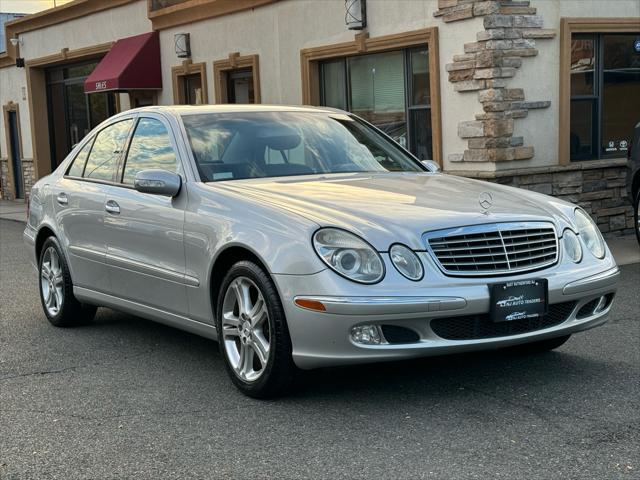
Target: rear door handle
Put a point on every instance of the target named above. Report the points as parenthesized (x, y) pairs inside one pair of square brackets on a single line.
[(112, 207), (62, 199)]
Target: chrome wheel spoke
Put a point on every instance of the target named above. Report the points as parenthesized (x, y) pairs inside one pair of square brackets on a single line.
[(258, 313), (261, 348), (52, 281), (244, 323)]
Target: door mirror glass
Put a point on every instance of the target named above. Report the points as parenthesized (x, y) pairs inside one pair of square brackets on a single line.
[(432, 166), (158, 182)]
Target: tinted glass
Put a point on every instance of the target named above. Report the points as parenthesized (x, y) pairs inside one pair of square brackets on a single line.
[(583, 64), (420, 77), (240, 85), (78, 163), (106, 151), (150, 148), (270, 144), (334, 85), (377, 92), (421, 133), (581, 136), (620, 93), (192, 89)]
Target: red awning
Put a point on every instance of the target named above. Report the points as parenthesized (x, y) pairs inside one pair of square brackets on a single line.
[(133, 63)]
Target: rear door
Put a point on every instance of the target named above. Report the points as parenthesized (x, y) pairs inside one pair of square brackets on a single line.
[(79, 201), (144, 232)]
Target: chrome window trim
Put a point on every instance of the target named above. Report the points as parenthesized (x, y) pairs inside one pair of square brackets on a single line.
[(497, 227)]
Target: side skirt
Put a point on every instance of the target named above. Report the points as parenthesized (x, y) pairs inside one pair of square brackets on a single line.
[(178, 321)]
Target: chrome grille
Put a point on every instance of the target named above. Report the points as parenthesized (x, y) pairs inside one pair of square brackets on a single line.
[(494, 249)]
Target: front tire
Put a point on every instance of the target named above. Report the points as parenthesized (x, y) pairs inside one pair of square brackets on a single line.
[(636, 217), (540, 346), (61, 308), (252, 331)]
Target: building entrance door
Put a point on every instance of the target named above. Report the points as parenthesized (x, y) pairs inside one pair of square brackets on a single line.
[(73, 113), (16, 163)]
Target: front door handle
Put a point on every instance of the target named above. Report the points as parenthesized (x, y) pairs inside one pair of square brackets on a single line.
[(112, 207), (62, 199)]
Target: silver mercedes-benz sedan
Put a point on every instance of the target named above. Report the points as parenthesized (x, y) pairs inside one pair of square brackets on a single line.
[(304, 237)]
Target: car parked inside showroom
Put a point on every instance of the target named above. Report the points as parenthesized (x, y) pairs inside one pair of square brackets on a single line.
[(303, 237)]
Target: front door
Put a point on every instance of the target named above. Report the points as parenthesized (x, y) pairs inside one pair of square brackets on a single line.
[(80, 200), (16, 163), (144, 232)]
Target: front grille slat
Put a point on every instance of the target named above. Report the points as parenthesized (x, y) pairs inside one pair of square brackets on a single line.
[(497, 249)]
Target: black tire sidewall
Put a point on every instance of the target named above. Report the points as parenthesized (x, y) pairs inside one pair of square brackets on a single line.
[(636, 216), (72, 312), (279, 370)]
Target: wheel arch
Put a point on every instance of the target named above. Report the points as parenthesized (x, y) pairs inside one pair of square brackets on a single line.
[(223, 262), (43, 233)]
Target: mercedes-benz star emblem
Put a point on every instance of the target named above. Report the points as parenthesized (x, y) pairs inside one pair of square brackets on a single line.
[(486, 201)]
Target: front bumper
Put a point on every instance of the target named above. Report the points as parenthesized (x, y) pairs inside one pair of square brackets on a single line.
[(323, 338)]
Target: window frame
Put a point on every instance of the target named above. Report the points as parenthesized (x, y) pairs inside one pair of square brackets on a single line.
[(188, 68), (222, 69), (569, 26), (407, 66), (310, 59), (596, 99)]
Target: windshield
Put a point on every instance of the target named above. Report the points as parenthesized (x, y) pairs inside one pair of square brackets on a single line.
[(232, 146)]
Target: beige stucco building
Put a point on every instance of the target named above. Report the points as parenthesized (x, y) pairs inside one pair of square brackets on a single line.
[(541, 94)]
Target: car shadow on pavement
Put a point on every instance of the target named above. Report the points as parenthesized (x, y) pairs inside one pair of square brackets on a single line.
[(429, 378)]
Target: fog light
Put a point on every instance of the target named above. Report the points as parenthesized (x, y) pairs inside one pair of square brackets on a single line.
[(366, 334)]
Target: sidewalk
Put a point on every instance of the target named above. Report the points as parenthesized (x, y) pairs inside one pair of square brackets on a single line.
[(13, 210), (625, 249)]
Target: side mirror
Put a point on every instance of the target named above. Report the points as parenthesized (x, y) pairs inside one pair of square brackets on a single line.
[(432, 166), (158, 182)]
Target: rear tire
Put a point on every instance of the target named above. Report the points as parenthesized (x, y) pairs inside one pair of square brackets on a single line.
[(540, 346), (61, 308), (253, 336)]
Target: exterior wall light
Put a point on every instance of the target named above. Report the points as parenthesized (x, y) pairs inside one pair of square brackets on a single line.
[(182, 45), (356, 14)]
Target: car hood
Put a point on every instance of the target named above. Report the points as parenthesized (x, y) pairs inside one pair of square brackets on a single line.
[(399, 207)]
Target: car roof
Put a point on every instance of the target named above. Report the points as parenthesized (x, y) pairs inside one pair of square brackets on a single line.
[(232, 108)]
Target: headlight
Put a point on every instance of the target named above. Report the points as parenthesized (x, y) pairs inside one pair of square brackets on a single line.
[(348, 255), (589, 233), (571, 246), (406, 262)]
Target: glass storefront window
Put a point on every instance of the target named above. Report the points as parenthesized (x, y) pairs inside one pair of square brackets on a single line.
[(605, 94), (391, 90), (73, 113), (192, 85), (620, 92)]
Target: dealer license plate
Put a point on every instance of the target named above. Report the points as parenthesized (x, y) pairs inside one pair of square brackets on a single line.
[(518, 300)]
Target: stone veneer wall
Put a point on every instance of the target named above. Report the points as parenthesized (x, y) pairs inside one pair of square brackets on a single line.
[(597, 186), (28, 175), (509, 37)]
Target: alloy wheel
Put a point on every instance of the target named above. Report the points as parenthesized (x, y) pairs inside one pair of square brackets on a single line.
[(52, 281), (245, 329)]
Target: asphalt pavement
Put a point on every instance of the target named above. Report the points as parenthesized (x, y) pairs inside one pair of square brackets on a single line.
[(127, 398)]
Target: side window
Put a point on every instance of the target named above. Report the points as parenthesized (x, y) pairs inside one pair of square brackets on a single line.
[(103, 158), (150, 148), (77, 166)]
